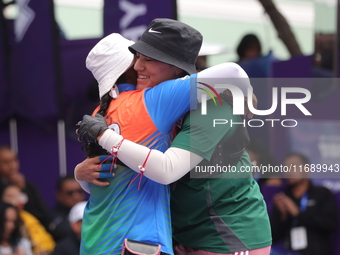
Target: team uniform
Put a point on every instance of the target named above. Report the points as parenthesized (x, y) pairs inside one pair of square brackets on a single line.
[(121, 210), (224, 214)]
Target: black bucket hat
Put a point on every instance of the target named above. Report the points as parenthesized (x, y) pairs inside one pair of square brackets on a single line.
[(171, 42)]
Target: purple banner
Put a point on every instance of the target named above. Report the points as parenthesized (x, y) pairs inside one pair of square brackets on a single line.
[(80, 89), (34, 68), (131, 17), (4, 103), (37, 145)]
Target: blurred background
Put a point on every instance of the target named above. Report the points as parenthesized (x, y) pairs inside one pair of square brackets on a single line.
[(45, 88)]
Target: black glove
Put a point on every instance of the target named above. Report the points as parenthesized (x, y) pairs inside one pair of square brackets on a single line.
[(91, 127)]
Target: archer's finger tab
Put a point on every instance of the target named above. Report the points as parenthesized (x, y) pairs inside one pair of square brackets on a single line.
[(106, 175), (105, 158)]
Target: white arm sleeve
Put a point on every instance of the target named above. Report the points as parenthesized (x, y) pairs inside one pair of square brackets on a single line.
[(226, 73), (160, 167)]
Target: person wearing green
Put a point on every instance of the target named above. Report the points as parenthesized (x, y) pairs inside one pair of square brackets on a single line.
[(221, 213)]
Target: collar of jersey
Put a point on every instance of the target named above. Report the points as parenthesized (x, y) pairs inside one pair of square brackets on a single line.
[(126, 87)]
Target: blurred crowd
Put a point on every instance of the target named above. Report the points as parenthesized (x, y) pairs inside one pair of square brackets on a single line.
[(304, 216), (27, 224)]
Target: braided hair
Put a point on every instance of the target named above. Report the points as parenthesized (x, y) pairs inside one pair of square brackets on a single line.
[(94, 149), (104, 104)]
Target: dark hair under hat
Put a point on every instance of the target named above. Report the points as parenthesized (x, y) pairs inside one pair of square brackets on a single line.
[(171, 42)]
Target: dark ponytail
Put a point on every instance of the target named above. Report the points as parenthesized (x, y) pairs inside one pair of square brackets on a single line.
[(94, 149), (104, 103)]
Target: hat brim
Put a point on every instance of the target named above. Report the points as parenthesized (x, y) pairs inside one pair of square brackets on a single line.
[(154, 53), (108, 82)]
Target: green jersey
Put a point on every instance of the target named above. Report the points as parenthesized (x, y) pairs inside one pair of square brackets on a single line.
[(224, 214)]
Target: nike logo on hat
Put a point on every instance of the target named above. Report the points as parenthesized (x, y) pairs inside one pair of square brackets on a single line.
[(153, 31)]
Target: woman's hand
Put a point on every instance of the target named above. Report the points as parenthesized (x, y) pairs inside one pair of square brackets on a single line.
[(90, 170)]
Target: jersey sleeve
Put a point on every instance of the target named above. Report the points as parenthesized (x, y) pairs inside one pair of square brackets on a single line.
[(169, 101)]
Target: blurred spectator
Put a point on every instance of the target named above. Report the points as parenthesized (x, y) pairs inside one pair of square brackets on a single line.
[(252, 60), (324, 50), (260, 154), (11, 240), (249, 47), (10, 174), (68, 193), (304, 216), (70, 245), (42, 242)]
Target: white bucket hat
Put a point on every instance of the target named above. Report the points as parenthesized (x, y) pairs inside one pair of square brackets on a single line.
[(108, 60)]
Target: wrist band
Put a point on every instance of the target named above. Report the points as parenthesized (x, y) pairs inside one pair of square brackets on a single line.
[(141, 172), (114, 152)]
